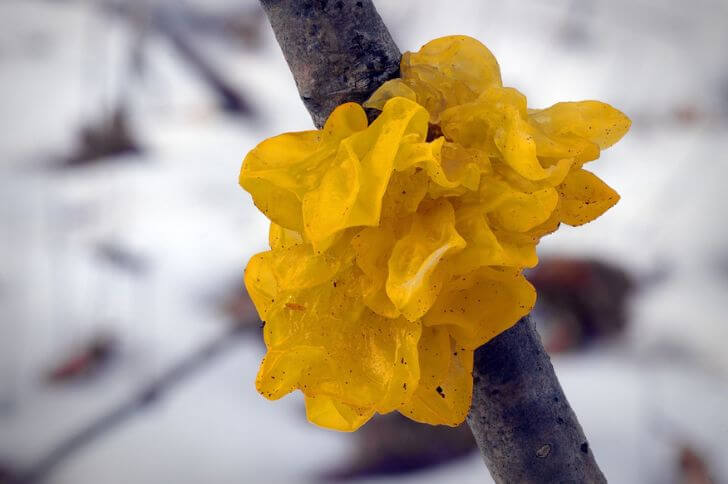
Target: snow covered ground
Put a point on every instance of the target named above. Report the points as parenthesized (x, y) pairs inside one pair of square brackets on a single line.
[(178, 208)]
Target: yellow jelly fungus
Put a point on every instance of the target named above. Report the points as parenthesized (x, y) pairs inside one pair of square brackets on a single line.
[(397, 247)]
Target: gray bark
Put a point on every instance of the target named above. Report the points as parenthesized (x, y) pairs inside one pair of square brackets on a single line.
[(341, 51), (521, 420), (338, 50)]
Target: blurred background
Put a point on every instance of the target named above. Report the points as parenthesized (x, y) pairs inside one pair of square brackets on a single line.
[(128, 349)]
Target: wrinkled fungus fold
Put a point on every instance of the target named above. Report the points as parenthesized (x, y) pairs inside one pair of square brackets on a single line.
[(395, 253)]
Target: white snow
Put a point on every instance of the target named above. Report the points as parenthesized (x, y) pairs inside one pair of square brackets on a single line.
[(178, 207)]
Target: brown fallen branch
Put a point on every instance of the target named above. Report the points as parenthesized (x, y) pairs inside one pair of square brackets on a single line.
[(341, 51)]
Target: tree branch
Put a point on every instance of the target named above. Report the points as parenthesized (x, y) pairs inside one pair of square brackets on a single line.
[(338, 50), (341, 51), (521, 420)]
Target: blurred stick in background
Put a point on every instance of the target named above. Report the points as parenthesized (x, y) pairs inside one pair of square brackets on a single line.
[(171, 24), (144, 398), (111, 134), (525, 428), (178, 24)]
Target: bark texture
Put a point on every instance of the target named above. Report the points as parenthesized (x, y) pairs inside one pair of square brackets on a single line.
[(341, 51), (338, 50), (521, 420)]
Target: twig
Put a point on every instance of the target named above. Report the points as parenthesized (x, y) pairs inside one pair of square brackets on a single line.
[(171, 21), (338, 51), (341, 51), (170, 24), (151, 393), (521, 420)]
